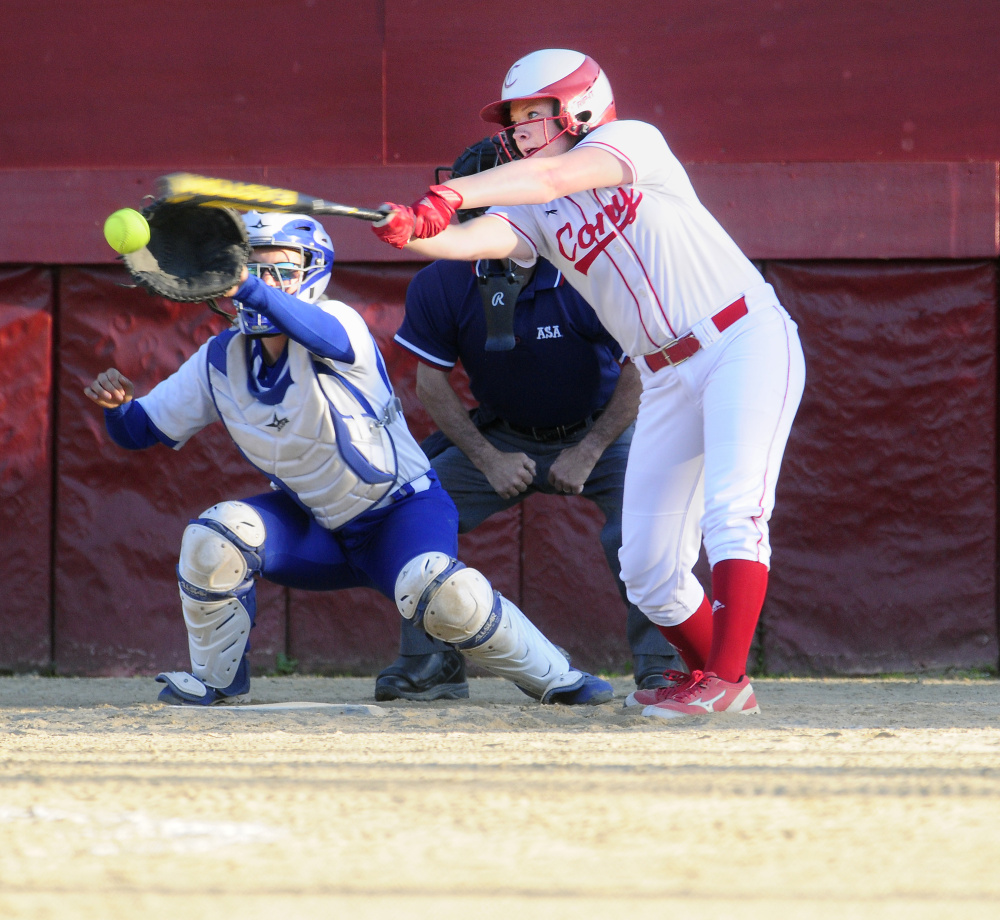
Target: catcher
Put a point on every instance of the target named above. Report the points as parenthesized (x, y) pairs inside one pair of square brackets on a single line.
[(301, 387)]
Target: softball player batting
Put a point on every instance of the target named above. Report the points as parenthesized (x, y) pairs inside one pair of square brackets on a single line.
[(610, 205)]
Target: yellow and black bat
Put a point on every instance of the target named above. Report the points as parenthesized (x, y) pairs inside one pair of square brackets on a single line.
[(181, 188)]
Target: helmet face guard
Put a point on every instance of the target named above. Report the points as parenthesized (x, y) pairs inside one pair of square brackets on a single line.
[(297, 232), (553, 126)]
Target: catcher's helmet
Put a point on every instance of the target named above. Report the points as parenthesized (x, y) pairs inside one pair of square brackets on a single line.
[(472, 160), (573, 79), (290, 231)]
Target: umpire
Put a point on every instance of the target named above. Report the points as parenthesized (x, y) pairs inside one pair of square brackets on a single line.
[(555, 415)]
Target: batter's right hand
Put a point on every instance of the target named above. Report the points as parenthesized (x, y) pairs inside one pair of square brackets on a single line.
[(396, 228), (110, 389), (510, 474)]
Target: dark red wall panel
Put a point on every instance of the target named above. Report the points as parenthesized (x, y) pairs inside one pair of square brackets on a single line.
[(726, 81), (855, 210), (88, 83), (885, 528), (122, 513), (773, 210), (298, 82), (26, 311), (569, 591), (359, 102), (884, 533)]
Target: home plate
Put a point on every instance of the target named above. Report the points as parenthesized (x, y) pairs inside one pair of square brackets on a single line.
[(348, 709)]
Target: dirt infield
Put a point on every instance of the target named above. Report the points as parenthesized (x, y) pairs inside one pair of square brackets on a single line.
[(854, 799)]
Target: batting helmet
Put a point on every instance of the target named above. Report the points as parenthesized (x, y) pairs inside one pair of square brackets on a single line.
[(573, 79)]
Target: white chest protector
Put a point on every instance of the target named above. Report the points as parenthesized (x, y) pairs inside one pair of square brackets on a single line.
[(315, 436)]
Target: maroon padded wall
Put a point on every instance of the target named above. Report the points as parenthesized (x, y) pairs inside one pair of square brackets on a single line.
[(26, 310), (884, 532), (885, 528), (567, 586), (122, 513)]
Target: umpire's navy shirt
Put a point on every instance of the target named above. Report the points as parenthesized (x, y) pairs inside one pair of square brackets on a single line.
[(563, 367)]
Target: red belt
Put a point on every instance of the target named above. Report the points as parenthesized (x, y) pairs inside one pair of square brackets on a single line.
[(687, 345)]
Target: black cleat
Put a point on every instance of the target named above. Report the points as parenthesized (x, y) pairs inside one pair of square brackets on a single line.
[(649, 670), (438, 676)]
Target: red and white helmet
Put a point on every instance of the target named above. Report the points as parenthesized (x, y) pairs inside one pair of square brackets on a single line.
[(575, 80)]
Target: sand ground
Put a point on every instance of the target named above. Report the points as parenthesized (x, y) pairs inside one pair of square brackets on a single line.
[(844, 798)]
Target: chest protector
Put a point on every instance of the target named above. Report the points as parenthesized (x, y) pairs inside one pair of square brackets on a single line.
[(313, 433)]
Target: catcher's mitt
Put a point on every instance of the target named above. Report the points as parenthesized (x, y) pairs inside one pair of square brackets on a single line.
[(194, 252)]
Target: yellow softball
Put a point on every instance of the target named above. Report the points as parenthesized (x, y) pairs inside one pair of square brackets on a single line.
[(126, 230)]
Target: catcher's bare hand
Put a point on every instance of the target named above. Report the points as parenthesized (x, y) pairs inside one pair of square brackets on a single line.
[(110, 389), (510, 473), (570, 471)]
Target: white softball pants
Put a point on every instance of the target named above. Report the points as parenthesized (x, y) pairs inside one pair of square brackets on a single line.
[(704, 461)]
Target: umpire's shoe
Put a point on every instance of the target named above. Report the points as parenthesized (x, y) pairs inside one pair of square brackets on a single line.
[(650, 670), (438, 676)]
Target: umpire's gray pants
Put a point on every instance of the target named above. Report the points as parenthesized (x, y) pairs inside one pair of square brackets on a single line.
[(477, 500)]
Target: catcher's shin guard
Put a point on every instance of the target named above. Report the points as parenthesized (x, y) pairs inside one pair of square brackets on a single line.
[(458, 605), (220, 554)]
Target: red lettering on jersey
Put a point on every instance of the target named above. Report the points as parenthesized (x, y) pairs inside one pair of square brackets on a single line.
[(566, 229), (592, 240)]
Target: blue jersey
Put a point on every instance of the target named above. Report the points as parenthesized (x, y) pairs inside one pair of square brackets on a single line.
[(564, 365)]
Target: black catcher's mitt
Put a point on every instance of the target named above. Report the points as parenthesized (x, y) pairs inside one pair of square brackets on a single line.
[(194, 253)]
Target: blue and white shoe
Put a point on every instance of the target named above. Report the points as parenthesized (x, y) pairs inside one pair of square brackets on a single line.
[(587, 691), (183, 689)]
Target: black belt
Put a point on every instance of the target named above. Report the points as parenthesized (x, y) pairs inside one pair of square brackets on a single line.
[(550, 434)]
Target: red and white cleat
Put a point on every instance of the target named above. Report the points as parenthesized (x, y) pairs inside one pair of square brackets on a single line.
[(705, 693), (658, 694)]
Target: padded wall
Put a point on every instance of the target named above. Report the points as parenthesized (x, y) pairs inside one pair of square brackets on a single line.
[(122, 513), (27, 296), (884, 531), (885, 528)]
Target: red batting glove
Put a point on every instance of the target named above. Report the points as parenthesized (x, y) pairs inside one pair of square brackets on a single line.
[(435, 210), (396, 227)]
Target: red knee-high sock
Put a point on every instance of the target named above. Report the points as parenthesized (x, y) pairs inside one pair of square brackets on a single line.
[(693, 637), (738, 588)]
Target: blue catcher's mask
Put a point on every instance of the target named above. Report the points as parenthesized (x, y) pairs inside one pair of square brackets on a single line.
[(306, 281)]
